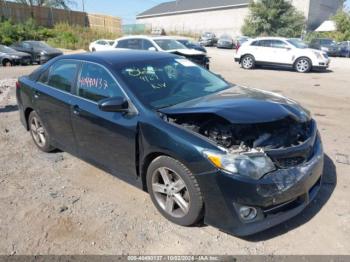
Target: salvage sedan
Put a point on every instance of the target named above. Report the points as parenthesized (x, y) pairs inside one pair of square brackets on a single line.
[(237, 158)]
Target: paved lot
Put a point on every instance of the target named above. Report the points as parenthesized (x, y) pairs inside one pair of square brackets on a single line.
[(57, 204)]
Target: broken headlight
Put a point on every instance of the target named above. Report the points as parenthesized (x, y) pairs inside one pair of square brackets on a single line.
[(253, 165)]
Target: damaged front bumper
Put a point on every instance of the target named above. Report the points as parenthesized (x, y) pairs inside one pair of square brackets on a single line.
[(276, 197)]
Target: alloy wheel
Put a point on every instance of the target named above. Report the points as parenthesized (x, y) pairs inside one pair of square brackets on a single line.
[(170, 192), (247, 62), (38, 131), (302, 65)]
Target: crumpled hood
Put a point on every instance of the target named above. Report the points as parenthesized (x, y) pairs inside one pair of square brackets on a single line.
[(186, 52), (241, 105)]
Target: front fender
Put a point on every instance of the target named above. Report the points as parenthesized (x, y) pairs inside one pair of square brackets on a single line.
[(169, 139)]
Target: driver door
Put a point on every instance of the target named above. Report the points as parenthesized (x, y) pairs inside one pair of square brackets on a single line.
[(281, 53), (107, 139)]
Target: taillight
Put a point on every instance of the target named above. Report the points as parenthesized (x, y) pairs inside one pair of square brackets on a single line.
[(17, 85), (238, 46)]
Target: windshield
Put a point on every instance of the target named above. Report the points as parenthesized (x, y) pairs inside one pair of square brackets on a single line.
[(169, 44), (297, 43), (39, 44), (6, 49), (327, 42), (208, 35), (169, 81), (225, 37)]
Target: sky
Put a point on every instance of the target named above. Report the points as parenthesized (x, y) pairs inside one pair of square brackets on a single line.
[(126, 9)]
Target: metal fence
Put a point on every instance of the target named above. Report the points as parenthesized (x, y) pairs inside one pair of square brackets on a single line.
[(48, 17)]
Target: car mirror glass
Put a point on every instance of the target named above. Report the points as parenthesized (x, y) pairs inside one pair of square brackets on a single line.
[(114, 104)]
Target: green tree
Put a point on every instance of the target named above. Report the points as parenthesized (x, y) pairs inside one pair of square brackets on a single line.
[(342, 21), (65, 4), (273, 18)]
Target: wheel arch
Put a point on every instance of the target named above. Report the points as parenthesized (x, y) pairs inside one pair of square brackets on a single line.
[(4, 60), (300, 57), (27, 112), (148, 159), (246, 54)]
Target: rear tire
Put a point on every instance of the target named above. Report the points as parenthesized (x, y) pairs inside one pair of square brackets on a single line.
[(39, 133), (303, 65), (7, 63), (174, 191), (248, 62)]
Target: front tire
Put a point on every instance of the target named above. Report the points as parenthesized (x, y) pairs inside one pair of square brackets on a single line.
[(174, 191), (248, 62), (39, 133), (303, 65)]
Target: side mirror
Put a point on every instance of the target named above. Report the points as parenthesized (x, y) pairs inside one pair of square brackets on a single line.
[(114, 104), (152, 49)]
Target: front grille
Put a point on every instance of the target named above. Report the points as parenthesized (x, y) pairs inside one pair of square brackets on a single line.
[(290, 162), (296, 155), (286, 206)]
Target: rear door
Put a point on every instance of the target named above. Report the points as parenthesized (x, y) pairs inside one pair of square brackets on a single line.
[(52, 99), (103, 138)]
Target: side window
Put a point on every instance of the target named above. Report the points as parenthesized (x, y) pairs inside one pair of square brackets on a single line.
[(265, 43), (61, 75), (278, 44), (44, 77), (95, 83), (26, 45), (122, 44), (146, 44), (134, 44), (255, 43)]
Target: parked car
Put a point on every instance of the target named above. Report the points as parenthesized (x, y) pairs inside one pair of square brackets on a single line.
[(101, 45), (10, 57), (190, 44), (40, 51), (240, 40), (275, 51), (208, 39), (225, 41), (344, 49), (243, 159), (162, 44), (326, 45)]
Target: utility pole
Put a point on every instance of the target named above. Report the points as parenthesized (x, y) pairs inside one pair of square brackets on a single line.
[(83, 4)]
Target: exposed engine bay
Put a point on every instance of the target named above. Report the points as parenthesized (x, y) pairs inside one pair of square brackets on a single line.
[(244, 137)]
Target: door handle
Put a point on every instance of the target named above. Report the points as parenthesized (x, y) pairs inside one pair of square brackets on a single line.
[(76, 110)]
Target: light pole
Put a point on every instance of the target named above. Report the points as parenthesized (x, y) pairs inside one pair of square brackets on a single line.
[(83, 4)]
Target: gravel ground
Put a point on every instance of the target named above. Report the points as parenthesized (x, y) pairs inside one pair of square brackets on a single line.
[(58, 204)]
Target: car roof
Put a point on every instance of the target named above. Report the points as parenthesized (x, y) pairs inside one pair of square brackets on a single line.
[(271, 38), (115, 57), (145, 37)]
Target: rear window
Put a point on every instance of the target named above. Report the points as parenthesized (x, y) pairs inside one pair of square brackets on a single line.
[(61, 75)]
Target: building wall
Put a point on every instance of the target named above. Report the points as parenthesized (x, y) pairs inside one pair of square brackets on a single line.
[(230, 21), (303, 6), (220, 21), (321, 10)]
